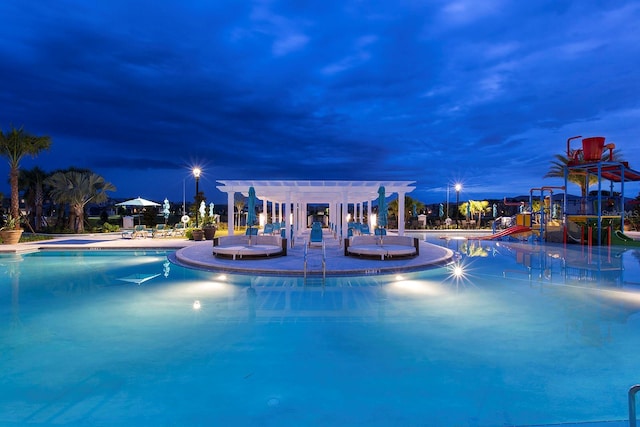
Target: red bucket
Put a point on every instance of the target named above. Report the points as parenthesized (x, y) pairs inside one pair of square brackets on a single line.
[(592, 148)]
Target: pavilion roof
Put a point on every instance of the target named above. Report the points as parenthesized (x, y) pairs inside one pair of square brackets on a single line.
[(316, 191)]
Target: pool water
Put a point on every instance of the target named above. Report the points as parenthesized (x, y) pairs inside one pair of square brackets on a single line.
[(529, 334)]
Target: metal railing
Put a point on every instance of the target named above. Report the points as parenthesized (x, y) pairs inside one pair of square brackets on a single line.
[(632, 404), (324, 263), (304, 267), (305, 262)]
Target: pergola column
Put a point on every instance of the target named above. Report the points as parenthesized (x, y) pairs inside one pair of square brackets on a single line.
[(343, 217), (230, 212), (401, 213)]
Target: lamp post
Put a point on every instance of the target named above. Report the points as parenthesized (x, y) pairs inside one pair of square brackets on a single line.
[(196, 174), (458, 188)]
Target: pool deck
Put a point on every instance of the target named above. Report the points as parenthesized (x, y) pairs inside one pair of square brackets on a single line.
[(199, 255)]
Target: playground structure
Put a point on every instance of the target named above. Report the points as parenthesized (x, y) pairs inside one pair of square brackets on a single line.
[(591, 221), (601, 226)]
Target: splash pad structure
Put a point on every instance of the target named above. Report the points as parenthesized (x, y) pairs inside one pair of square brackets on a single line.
[(600, 222)]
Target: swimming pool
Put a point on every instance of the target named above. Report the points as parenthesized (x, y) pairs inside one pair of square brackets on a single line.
[(530, 334)]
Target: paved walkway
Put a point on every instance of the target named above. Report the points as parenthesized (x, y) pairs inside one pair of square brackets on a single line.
[(199, 255)]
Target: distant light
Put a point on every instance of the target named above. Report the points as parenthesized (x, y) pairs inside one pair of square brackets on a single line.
[(222, 277), (197, 172), (399, 277), (458, 187), (196, 305)]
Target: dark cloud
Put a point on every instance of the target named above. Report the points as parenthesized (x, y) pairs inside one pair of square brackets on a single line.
[(434, 92)]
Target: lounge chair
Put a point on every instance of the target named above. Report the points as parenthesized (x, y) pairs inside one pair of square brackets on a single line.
[(251, 231), (316, 233), (381, 231), (268, 229), (178, 230), (139, 231), (364, 230), (159, 231), (277, 227)]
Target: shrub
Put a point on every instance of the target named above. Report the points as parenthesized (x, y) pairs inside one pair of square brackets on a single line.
[(108, 228)]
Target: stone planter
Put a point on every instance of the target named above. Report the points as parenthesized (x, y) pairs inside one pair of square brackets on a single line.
[(197, 235), (10, 237), (210, 232)]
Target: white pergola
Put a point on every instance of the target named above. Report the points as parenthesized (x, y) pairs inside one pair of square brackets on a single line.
[(290, 199)]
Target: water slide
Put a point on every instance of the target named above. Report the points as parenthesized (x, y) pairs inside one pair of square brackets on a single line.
[(619, 238), (516, 229)]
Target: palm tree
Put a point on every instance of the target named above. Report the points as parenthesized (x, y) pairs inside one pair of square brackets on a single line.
[(476, 207), (408, 207), (14, 145), (32, 182), (239, 205), (77, 189)]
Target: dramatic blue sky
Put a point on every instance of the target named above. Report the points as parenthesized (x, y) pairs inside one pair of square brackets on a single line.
[(482, 92)]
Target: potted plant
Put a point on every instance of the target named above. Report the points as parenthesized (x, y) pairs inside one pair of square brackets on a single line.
[(9, 234), (197, 234), (209, 230)]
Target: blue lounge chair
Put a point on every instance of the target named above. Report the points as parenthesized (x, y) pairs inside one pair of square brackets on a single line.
[(268, 229), (364, 230), (252, 231), (381, 231), (316, 233)]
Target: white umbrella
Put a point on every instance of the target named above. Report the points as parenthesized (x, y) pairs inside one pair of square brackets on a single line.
[(138, 202)]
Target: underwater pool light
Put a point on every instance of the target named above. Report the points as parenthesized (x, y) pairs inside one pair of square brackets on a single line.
[(457, 271)]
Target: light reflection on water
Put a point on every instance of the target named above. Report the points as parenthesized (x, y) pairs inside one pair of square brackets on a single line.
[(528, 334)]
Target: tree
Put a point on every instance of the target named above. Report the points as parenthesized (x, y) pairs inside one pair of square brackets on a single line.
[(408, 207), (77, 189), (32, 183), (476, 207), (14, 145), (238, 203)]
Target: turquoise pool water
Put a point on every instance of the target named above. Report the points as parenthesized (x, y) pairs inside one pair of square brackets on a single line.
[(530, 334)]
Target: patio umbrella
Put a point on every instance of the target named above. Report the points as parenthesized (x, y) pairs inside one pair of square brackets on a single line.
[(203, 209), (382, 208), (211, 209), (441, 211), (468, 209), (495, 210), (166, 210), (251, 214), (138, 202)]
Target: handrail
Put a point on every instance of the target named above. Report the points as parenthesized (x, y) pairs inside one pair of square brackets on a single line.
[(304, 268), (632, 404), (324, 263)]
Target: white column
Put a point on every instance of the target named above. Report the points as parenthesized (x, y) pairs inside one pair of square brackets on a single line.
[(285, 212), (343, 219), (265, 212), (369, 215), (401, 213), (230, 212)]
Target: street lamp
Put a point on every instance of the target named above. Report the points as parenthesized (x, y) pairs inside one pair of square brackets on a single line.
[(196, 174), (458, 188)]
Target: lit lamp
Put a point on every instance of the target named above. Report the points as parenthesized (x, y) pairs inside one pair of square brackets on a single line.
[(196, 174), (458, 188)]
